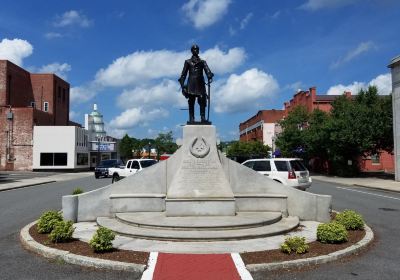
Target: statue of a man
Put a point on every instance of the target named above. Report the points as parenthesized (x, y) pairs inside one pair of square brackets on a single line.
[(196, 85)]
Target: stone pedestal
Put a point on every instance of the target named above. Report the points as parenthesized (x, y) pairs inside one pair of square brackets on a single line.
[(199, 186)]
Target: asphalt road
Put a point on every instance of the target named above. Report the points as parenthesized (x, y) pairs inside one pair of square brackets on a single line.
[(19, 207), (381, 211)]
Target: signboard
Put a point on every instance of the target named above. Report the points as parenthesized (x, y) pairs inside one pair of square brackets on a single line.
[(103, 147)]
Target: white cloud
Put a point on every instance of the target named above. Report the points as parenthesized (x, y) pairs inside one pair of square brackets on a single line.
[(204, 13), (15, 50), (360, 49), (276, 15), (245, 21), (244, 92), (137, 116), (57, 68), (115, 132), (83, 93), (72, 17), (382, 82), (143, 66), (166, 94), (314, 5), (53, 35)]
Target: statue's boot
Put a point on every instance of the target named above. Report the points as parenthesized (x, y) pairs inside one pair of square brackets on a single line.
[(191, 114), (203, 114)]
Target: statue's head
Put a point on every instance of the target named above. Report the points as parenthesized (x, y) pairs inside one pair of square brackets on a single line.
[(195, 50)]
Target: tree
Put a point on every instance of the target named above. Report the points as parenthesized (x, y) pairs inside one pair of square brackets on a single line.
[(125, 147), (245, 150), (164, 143), (292, 140)]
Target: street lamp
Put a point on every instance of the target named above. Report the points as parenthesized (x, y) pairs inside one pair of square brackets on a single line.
[(149, 149)]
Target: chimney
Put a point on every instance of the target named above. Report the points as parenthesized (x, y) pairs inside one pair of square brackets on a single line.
[(347, 94), (313, 91)]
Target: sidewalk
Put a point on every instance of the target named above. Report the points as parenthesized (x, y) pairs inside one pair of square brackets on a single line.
[(373, 183), (27, 182)]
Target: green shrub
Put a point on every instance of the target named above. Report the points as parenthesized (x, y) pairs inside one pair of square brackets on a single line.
[(295, 244), (77, 191), (350, 219), (62, 232), (102, 240), (332, 232), (48, 220)]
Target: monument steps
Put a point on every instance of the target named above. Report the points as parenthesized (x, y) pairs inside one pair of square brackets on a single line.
[(158, 220), (282, 226)]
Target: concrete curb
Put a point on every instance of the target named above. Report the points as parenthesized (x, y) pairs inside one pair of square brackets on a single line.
[(369, 236), (29, 243), (359, 185), (27, 185)]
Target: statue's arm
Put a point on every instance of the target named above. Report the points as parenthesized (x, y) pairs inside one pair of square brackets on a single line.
[(209, 74), (183, 74)]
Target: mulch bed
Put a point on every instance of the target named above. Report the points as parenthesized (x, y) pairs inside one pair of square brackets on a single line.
[(316, 249), (82, 248)]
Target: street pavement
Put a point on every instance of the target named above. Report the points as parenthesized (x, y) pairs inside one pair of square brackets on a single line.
[(380, 209)]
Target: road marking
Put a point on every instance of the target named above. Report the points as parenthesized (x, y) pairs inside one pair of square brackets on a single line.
[(151, 265), (384, 196), (241, 267)]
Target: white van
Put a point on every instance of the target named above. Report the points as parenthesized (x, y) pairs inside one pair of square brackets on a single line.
[(287, 171)]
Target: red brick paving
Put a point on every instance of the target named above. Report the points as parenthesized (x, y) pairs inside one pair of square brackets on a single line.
[(195, 267)]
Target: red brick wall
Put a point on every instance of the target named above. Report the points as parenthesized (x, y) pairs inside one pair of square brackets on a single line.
[(16, 86), (50, 88), (21, 130), (385, 164), (268, 116)]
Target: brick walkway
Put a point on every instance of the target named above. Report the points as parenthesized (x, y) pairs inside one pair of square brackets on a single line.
[(195, 267)]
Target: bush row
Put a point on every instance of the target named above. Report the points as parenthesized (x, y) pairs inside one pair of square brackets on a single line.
[(334, 232), (52, 223)]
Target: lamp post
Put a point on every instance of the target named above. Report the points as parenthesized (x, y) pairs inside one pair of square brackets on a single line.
[(98, 149), (149, 149)]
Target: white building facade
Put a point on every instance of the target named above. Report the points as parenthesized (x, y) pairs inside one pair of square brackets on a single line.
[(395, 66), (60, 148)]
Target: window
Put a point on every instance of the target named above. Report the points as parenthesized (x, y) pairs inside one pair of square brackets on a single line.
[(375, 159), (33, 104), (59, 92), (281, 165), (129, 164), (135, 165), (297, 165), (249, 164), (262, 166), (53, 159), (46, 106), (60, 159), (46, 159), (82, 159)]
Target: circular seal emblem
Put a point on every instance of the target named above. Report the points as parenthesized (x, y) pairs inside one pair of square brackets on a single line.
[(199, 147)]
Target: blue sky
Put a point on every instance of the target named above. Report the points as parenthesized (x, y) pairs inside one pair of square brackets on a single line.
[(126, 56)]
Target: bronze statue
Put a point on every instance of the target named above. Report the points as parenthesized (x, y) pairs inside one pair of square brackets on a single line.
[(195, 87)]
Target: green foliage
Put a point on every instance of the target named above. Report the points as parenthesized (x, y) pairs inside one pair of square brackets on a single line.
[(293, 134), (164, 143), (354, 128), (62, 232), (350, 219), (102, 240), (77, 191), (332, 232), (48, 220), (125, 147), (294, 244), (253, 149)]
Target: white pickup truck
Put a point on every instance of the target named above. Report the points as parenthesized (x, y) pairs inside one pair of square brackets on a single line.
[(132, 166)]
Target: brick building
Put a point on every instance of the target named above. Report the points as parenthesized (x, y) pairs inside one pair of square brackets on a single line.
[(27, 100), (264, 127)]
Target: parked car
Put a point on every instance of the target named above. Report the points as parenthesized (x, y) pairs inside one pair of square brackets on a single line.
[(287, 171), (132, 166), (102, 170)]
